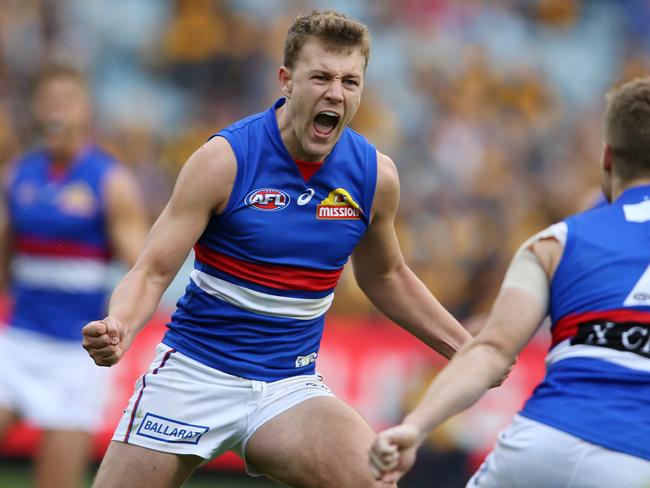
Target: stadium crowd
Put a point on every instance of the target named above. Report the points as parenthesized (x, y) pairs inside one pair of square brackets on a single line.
[(480, 103)]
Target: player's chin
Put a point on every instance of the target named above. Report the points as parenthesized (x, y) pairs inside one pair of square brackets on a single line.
[(321, 146)]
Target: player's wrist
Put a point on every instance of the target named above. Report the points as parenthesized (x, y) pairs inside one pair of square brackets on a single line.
[(416, 429)]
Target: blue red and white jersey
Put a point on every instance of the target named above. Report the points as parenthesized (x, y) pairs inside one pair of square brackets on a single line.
[(267, 266), (60, 243), (597, 385)]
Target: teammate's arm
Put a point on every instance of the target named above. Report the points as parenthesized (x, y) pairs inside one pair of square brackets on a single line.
[(518, 311), (127, 222), (203, 187), (389, 283), (5, 242), (6, 239)]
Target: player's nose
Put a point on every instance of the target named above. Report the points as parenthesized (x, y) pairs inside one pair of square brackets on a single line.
[(335, 91)]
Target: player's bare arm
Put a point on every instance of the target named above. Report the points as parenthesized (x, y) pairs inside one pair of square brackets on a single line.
[(203, 187), (5, 246), (386, 279), (6, 174), (515, 317)]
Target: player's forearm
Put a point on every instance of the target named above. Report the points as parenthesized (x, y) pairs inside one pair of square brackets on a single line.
[(472, 371), (403, 298), (136, 298)]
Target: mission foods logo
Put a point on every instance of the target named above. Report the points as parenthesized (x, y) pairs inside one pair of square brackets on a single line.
[(339, 205), (267, 199)]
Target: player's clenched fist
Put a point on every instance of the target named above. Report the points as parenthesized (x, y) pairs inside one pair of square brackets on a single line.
[(393, 452), (104, 341)]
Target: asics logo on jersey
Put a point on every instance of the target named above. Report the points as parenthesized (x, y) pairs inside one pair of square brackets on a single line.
[(267, 199), (305, 197)]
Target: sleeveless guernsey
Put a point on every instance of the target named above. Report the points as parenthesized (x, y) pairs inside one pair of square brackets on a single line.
[(597, 385), (266, 268), (61, 247)]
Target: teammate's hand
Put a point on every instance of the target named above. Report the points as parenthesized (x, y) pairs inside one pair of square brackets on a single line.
[(104, 340), (393, 452)]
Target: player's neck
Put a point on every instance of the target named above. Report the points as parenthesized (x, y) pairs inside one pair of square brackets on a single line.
[(289, 138), (619, 187), (64, 156)]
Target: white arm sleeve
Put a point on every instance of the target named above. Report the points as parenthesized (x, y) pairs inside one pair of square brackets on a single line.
[(526, 271)]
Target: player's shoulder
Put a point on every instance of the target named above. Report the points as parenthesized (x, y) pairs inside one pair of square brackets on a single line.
[(215, 159), (249, 122), (594, 215), (387, 190), (351, 136), (30, 158), (28, 164), (102, 159), (387, 174)]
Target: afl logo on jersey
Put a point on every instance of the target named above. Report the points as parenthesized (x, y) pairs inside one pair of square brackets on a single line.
[(267, 199)]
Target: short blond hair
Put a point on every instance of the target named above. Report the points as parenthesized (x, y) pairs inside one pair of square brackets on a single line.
[(337, 31), (627, 128)]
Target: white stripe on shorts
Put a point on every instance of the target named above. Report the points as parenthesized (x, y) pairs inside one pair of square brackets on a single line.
[(262, 303)]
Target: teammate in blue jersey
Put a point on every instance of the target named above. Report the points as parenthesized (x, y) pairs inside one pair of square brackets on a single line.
[(274, 205), (69, 208), (588, 423)]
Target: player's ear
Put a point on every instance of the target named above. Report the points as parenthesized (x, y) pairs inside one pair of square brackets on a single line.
[(286, 81), (607, 158)]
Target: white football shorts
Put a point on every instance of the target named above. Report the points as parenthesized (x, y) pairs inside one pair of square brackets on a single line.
[(530, 454), (182, 406), (49, 383)]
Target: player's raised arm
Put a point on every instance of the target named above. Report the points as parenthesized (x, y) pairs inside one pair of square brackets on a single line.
[(516, 314), (385, 278), (203, 187)]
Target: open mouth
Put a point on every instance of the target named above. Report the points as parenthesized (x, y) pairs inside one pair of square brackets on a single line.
[(53, 127), (325, 122)]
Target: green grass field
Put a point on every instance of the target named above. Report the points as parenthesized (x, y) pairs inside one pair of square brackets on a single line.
[(16, 474)]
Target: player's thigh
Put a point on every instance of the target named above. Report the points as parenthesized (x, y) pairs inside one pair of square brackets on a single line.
[(7, 419), (62, 459), (321, 442), (126, 465)]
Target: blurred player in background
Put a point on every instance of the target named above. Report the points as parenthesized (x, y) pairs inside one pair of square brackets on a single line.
[(587, 424), (274, 206), (69, 209)]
